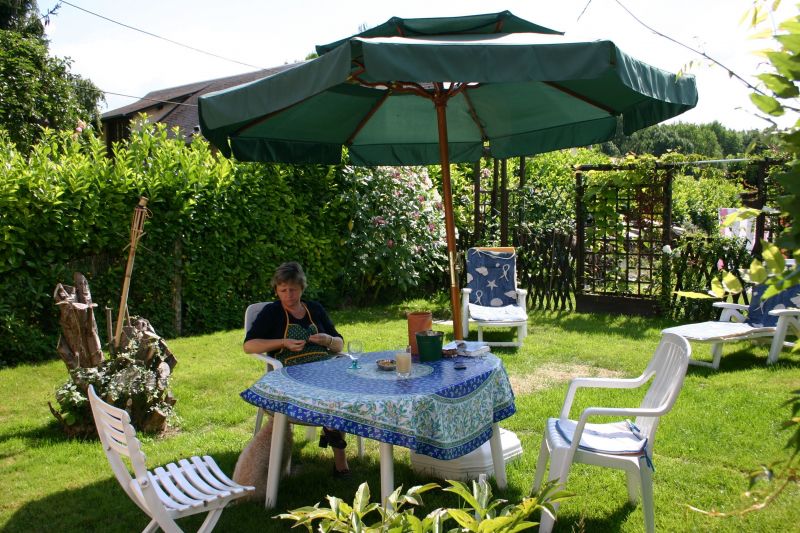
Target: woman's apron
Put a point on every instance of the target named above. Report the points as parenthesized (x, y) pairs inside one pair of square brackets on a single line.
[(311, 352)]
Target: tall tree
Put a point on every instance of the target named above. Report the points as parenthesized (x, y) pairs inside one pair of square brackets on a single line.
[(37, 90)]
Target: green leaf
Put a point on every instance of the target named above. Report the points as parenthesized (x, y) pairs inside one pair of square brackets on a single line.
[(361, 499), (743, 213), (717, 288), (697, 295), (779, 85), (767, 104), (463, 518), (773, 257), (731, 283), (758, 274), (459, 488)]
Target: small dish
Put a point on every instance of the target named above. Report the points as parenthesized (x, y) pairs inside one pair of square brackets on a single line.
[(386, 364)]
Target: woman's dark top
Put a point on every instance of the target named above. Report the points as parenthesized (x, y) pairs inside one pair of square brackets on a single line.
[(271, 323)]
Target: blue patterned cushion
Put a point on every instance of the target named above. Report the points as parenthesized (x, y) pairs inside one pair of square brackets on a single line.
[(492, 277), (758, 313)]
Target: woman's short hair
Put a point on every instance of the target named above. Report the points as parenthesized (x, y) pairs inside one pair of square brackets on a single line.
[(290, 272)]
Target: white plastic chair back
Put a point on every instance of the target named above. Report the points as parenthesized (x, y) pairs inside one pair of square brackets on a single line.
[(668, 366), (119, 439)]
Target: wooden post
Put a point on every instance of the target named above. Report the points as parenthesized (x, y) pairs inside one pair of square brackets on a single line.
[(504, 203), (580, 230), (478, 225), (761, 201)]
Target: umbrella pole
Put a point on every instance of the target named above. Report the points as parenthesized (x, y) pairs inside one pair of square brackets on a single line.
[(449, 221)]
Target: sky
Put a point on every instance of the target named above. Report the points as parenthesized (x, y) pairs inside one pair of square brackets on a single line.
[(266, 33)]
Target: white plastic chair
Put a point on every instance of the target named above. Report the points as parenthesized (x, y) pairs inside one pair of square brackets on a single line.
[(623, 445), (770, 318), (271, 364), (493, 299), (166, 493)]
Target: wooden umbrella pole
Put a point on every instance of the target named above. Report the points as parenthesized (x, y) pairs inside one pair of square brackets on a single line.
[(447, 194), (137, 225)]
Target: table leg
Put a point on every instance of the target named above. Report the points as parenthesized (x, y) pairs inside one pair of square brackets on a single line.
[(275, 453), (497, 457), (387, 471)]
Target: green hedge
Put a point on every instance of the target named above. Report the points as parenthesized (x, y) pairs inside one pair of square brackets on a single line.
[(218, 228)]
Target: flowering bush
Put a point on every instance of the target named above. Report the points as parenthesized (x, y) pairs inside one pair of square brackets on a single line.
[(396, 239)]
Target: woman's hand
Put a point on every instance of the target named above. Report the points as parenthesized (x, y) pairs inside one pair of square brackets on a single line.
[(294, 345), (323, 339)]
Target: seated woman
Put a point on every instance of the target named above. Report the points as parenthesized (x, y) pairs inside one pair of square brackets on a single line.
[(296, 331)]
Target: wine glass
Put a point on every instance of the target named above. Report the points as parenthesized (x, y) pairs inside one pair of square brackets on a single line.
[(354, 349)]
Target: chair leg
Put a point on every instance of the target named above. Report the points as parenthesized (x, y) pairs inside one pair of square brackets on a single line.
[(777, 340), (311, 433), (633, 480), (541, 464), (210, 521), (152, 527), (559, 469), (647, 496), (259, 419), (716, 355)]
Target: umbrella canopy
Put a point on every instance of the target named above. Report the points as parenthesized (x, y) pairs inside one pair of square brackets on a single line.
[(442, 90)]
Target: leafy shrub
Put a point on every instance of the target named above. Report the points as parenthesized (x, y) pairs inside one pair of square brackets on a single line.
[(486, 514)]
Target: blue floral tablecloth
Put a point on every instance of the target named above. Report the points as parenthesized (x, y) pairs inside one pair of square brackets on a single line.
[(439, 411)]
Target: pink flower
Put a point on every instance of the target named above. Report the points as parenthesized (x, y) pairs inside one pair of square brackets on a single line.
[(720, 264), (378, 221), (432, 227), (421, 198), (390, 243)]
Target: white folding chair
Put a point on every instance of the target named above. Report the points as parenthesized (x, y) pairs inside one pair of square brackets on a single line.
[(166, 493), (623, 445), (271, 364)]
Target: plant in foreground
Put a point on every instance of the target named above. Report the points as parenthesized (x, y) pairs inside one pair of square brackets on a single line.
[(481, 512)]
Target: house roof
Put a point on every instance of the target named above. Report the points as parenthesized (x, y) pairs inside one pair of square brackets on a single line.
[(165, 105)]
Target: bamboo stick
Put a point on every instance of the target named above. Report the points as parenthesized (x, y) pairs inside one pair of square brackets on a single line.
[(137, 225)]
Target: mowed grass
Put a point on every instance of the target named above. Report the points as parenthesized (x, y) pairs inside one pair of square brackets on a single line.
[(724, 424)]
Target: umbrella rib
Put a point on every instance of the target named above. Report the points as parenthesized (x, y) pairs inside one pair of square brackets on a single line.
[(475, 117), (579, 96), (365, 118)]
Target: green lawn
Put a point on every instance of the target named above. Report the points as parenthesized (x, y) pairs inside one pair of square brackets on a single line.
[(724, 424)]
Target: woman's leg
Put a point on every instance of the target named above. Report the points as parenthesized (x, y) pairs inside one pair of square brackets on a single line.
[(335, 439)]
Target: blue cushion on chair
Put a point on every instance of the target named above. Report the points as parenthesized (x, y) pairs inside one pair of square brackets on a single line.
[(758, 313), (492, 277)]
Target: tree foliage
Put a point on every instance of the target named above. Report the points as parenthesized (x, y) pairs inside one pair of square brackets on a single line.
[(38, 90), (712, 140)]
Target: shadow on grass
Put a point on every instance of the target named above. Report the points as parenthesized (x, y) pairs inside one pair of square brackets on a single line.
[(39, 436), (612, 522), (634, 327)]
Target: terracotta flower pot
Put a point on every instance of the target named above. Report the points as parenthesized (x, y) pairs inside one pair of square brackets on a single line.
[(418, 321)]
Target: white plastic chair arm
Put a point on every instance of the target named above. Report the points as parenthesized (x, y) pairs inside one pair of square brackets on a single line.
[(785, 312), (522, 298), (731, 312), (271, 362), (599, 383), (729, 305)]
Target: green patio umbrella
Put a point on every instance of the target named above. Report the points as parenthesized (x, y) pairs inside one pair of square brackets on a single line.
[(442, 90)]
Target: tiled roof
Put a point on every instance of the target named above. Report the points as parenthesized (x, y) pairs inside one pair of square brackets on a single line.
[(158, 104)]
